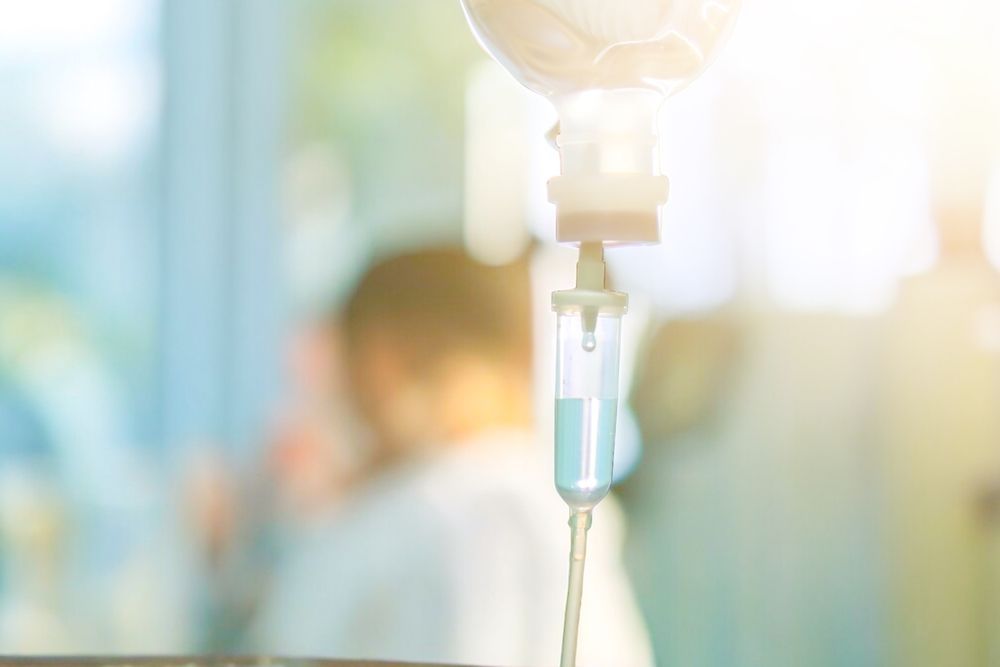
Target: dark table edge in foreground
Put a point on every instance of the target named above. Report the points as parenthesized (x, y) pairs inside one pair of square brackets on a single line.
[(193, 661)]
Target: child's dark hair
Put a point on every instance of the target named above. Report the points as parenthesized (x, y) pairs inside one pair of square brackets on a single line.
[(441, 301)]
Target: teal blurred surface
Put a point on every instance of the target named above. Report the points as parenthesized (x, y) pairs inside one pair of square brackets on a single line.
[(191, 661)]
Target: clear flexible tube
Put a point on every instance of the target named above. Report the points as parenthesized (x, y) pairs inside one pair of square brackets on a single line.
[(579, 523)]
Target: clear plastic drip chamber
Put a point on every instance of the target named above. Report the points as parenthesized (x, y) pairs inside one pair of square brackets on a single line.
[(587, 357), (606, 65)]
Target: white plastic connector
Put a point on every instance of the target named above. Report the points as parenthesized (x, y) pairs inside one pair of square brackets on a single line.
[(613, 208), (609, 188)]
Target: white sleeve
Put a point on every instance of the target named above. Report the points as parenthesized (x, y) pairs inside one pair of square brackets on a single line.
[(349, 591)]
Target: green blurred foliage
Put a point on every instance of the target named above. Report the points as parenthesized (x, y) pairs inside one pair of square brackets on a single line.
[(382, 84)]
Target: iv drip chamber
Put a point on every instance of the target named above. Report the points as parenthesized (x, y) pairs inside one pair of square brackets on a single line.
[(586, 396)]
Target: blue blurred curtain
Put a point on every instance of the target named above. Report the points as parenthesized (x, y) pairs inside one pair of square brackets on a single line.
[(220, 269)]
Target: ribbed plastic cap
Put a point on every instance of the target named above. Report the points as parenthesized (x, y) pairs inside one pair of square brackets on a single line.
[(613, 208)]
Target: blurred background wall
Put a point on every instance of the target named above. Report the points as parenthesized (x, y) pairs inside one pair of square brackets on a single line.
[(187, 188)]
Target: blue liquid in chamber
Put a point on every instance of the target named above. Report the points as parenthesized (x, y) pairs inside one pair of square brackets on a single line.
[(585, 447)]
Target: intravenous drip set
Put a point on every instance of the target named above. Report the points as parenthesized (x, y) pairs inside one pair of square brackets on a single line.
[(606, 66)]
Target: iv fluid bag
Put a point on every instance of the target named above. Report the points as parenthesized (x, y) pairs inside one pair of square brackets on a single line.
[(558, 47), (606, 66)]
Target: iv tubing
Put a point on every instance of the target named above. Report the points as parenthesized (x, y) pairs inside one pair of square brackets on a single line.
[(579, 523)]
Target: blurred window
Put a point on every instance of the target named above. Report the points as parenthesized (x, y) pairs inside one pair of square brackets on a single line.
[(80, 87)]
